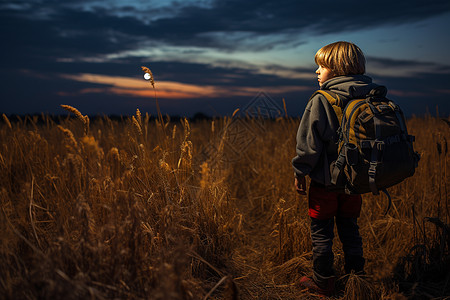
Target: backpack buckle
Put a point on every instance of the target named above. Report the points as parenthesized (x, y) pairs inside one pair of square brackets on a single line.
[(394, 106), (340, 161), (373, 169), (380, 145)]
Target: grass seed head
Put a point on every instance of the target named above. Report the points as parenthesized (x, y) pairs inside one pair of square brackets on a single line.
[(136, 125), (174, 132), (75, 111), (139, 116), (164, 165), (113, 154), (5, 118), (90, 144), (86, 124), (147, 70), (69, 136), (79, 115)]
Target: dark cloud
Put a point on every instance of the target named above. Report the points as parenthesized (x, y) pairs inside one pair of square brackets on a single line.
[(402, 63), (67, 33), (37, 35), (265, 17), (59, 28)]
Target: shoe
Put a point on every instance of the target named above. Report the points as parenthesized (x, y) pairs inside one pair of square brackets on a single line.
[(311, 285), (354, 263)]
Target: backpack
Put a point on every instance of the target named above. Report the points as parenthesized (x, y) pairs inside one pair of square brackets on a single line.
[(375, 150)]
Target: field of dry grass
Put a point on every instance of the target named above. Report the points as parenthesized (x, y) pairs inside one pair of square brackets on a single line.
[(140, 208)]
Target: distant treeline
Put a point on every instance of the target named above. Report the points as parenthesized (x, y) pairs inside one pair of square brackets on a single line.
[(42, 118)]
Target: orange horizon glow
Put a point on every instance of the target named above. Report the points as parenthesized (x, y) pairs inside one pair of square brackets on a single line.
[(137, 87)]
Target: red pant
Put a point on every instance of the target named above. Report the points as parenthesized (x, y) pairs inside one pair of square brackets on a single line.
[(324, 204)]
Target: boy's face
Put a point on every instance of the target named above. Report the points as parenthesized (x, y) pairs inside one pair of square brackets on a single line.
[(323, 74)]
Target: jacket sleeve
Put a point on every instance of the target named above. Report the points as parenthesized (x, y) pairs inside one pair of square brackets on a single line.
[(310, 136)]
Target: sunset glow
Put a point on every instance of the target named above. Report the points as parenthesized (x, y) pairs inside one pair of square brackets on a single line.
[(137, 87)]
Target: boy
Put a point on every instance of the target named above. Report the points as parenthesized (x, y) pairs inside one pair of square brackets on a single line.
[(341, 69)]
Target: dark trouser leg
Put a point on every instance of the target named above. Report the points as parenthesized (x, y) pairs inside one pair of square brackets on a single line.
[(348, 231), (322, 240)]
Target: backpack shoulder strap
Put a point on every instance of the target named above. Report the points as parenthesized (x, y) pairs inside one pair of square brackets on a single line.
[(334, 100)]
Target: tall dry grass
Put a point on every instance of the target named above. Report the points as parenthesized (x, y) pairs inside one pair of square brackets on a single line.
[(156, 209)]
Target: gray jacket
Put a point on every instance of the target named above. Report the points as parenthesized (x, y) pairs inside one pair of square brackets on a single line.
[(317, 134)]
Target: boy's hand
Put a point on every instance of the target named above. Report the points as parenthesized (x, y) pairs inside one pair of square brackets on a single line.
[(300, 185)]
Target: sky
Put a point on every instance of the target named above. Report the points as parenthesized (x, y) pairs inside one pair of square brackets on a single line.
[(212, 56)]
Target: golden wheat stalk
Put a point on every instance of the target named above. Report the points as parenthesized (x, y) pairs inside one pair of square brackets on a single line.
[(75, 111), (69, 135), (187, 129), (164, 165), (174, 132), (147, 70), (86, 124), (2, 160), (5, 118), (139, 116), (146, 119), (114, 154), (152, 81), (285, 109), (136, 125), (224, 136), (186, 154), (79, 115)]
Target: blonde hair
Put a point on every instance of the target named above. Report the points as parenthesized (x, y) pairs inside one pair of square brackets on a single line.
[(342, 58)]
